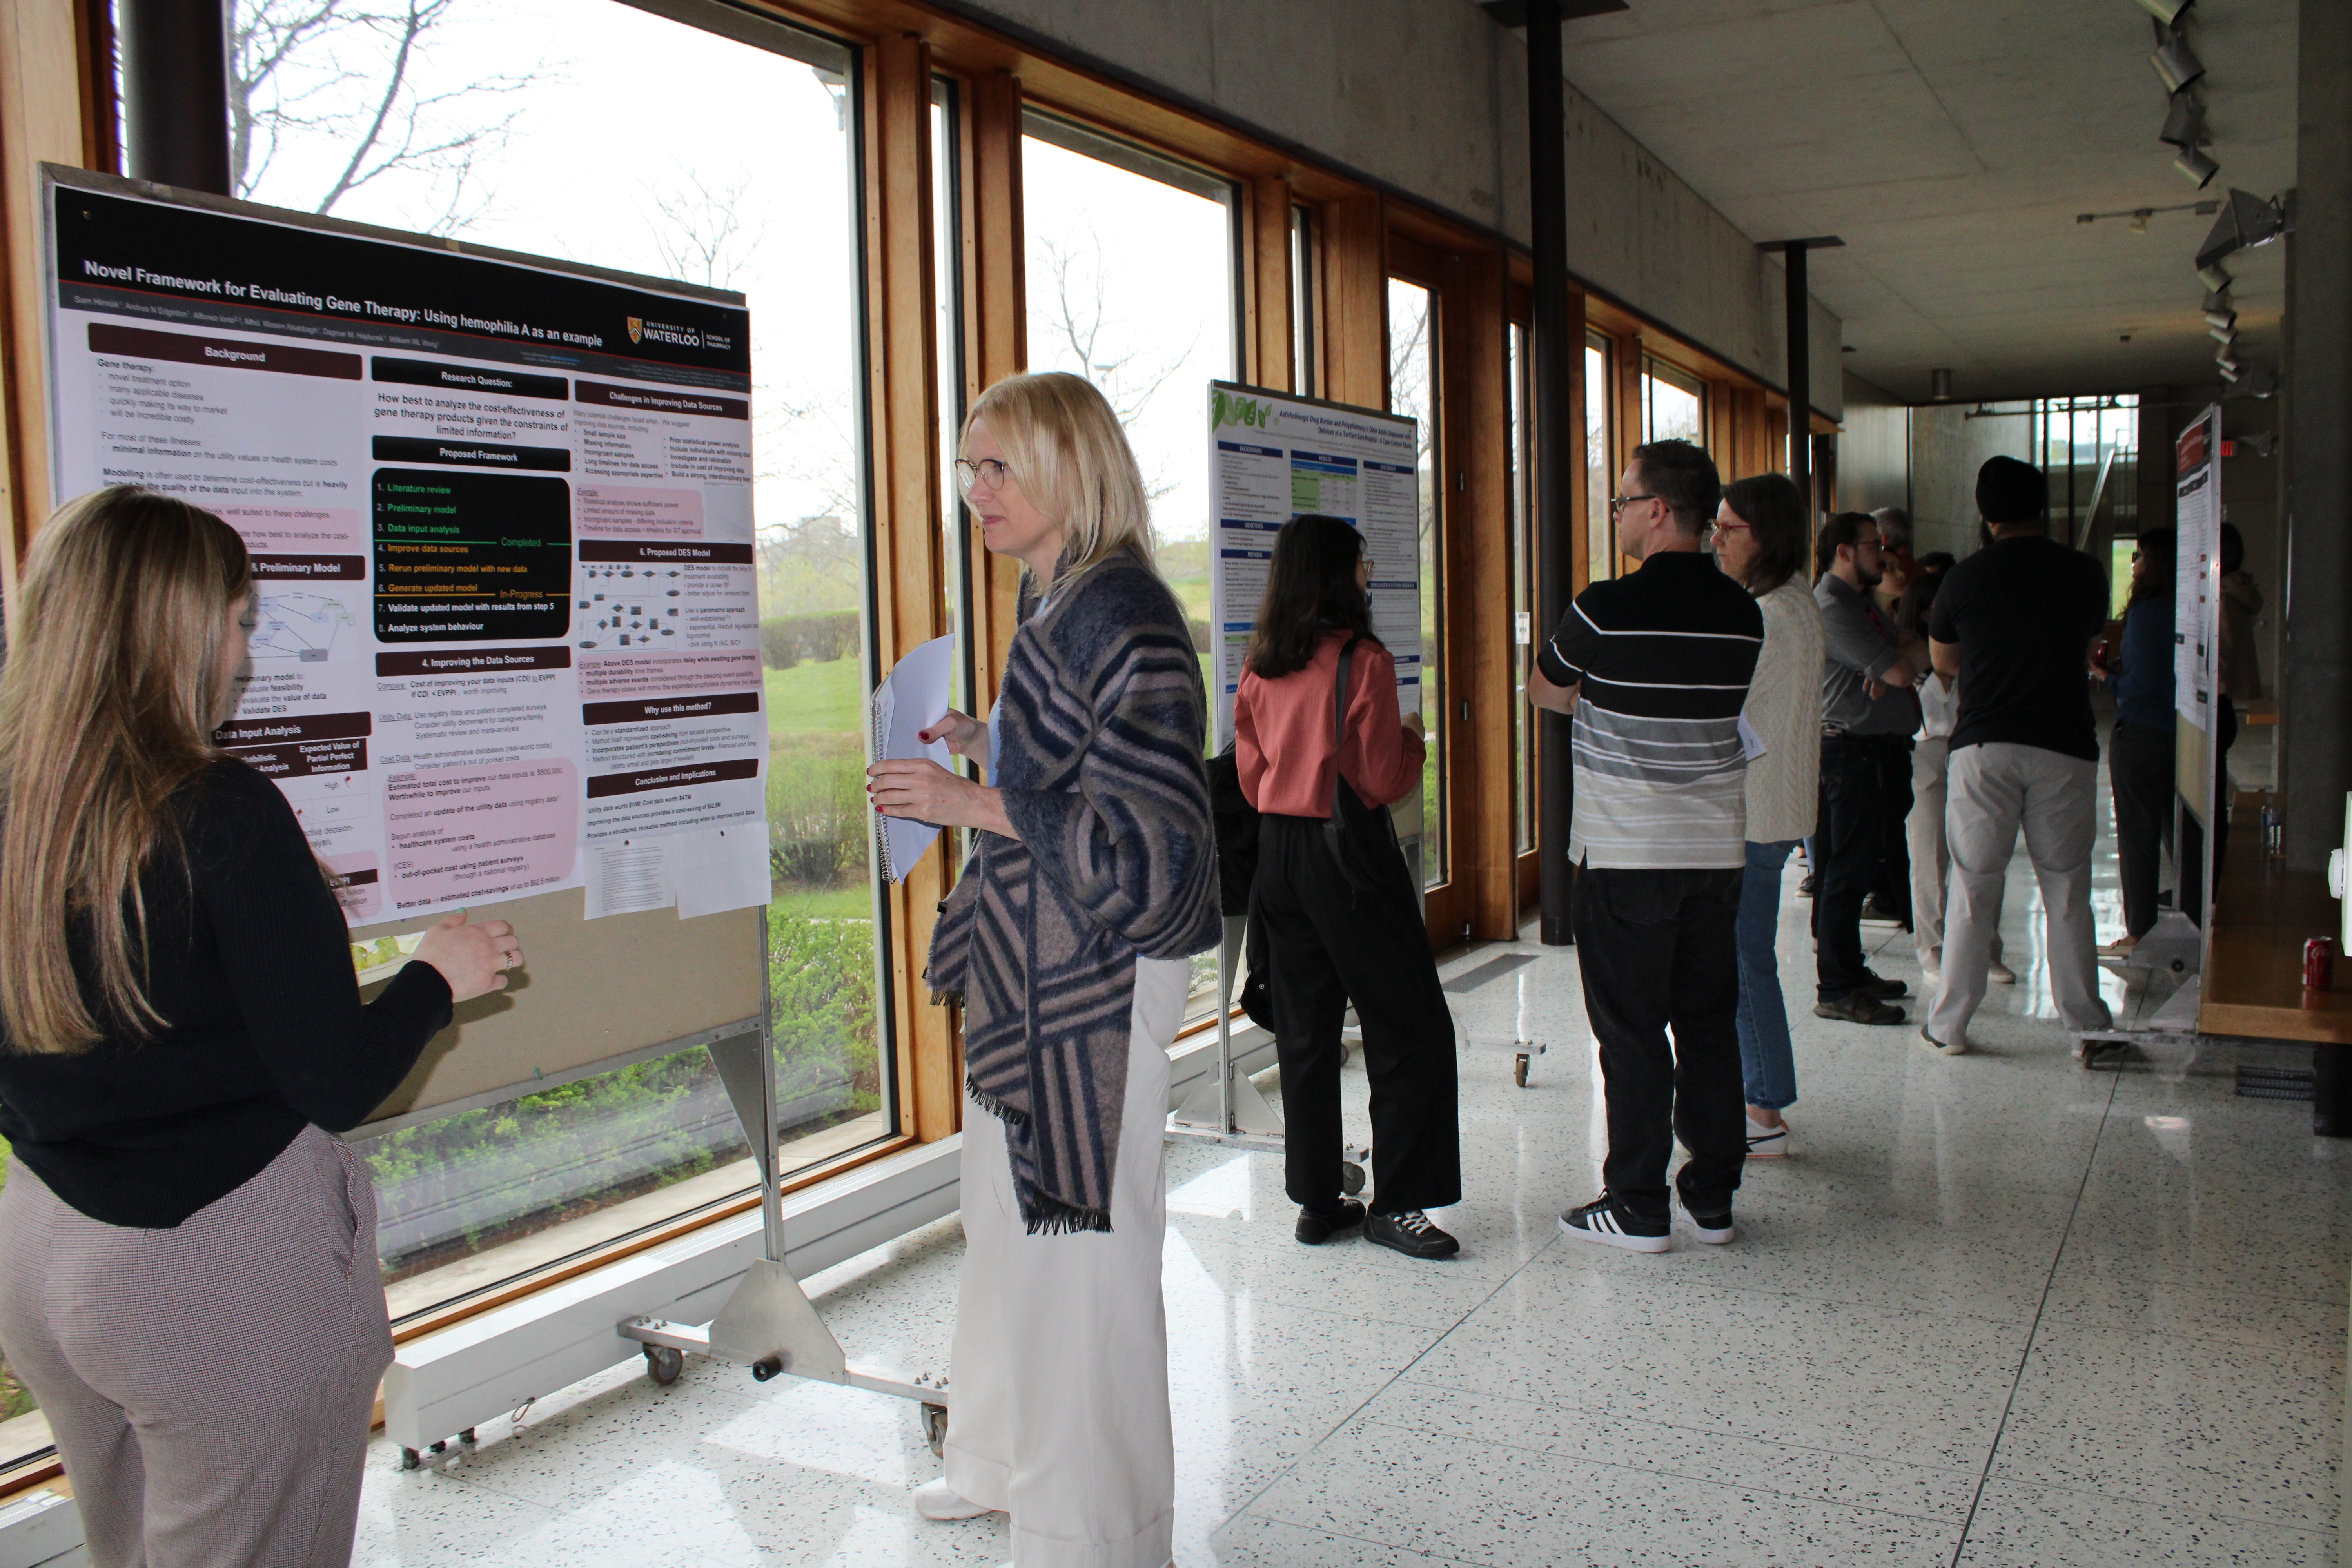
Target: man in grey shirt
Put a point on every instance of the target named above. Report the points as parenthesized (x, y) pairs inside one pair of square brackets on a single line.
[(1868, 716)]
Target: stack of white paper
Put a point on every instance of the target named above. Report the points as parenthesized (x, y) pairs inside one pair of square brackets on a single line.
[(912, 696)]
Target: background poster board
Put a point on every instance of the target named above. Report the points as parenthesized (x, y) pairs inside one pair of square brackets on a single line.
[(506, 649), (1272, 456), (2197, 602)]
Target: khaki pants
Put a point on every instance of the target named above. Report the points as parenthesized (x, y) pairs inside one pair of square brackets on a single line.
[(1059, 1370), (1931, 858), (1997, 789), (209, 1385)]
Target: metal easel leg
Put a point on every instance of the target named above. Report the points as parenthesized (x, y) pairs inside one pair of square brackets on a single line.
[(769, 1323), (1225, 1106)]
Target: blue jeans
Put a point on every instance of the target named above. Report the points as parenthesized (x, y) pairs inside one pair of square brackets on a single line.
[(1767, 1060)]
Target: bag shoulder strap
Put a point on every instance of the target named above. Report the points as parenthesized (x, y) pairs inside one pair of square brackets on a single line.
[(1340, 717)]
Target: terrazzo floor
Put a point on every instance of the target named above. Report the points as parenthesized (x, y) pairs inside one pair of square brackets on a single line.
[(1998, 1309)]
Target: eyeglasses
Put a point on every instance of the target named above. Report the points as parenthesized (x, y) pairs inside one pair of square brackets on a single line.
[(987, 471), (1617, 504), (1723, 527)]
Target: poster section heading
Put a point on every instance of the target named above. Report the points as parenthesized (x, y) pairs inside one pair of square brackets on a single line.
[(1273, 457), (506, 634), (268, 273)]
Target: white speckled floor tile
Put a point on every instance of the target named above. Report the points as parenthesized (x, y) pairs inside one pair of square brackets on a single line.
[(1625, 1337), (2084, 1291), (1339, 1276), (2021, 1526), (1768, 1465), (1249, 1541), (1488, 1504), (2247, 1432)]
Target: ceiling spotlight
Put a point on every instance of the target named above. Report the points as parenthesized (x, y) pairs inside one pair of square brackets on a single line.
[(2225, 336), (2219, 299), (2223, 318), (2195, 166), (2184, 123), (2261, 381), (2245, 221), (2228, 367), (2214, 278), (2262, 443), (1940, 385), (2165, 11), (2176, 63)]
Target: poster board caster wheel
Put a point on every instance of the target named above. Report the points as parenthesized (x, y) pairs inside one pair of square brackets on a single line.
[(766, 1367), (1519, 1070), (935, 1429), (1351, 1177), (664, 1364), (410, 1459)]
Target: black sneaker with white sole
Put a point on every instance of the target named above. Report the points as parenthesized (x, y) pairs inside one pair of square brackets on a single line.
[(1315, 1229), (1611, 1224), (1409, 1231)]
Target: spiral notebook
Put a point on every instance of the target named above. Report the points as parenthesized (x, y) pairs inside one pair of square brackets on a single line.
[(915, 693)]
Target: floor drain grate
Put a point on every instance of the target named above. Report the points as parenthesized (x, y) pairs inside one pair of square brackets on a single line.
[(2274, 1083)]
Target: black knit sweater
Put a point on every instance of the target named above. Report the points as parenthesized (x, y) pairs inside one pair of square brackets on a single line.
[(250, 963)]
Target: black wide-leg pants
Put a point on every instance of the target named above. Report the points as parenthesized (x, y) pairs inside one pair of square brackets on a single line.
[(1326, 944)]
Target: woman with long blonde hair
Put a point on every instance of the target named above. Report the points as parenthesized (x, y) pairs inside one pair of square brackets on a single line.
[(1093, 876), (188, 1278)]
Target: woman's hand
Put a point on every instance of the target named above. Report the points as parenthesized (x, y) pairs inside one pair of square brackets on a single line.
[(918, 787), (965, 735), (473, 959)]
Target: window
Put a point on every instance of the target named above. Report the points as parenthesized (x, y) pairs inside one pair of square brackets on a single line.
[(1132, 271), (956, 543), (1302, 302), (1673, 404), (733, 166), (1600, 460), (2089, 449), (1413, 392)]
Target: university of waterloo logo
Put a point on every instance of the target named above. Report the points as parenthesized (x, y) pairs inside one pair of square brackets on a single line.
[(636, 328)]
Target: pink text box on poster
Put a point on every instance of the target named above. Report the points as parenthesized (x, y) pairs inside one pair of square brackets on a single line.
[(629, 511), (295, 530), (463, 834), (670, 675)]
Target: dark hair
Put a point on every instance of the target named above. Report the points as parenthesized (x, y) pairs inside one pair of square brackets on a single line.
[(1310, 590), (1775, 514), (2010, 492), (2233, 549), (1917, 607), (1839, 531), (2162, 548), (1939, 561), (1684, 476)]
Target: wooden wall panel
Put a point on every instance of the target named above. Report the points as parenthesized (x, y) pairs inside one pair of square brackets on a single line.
[(910, 571), (1354, 344), (995, 328), (1478, 596), (1267, 249)]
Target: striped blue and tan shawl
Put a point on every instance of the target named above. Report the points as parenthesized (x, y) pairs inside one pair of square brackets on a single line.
[(1099, 729)]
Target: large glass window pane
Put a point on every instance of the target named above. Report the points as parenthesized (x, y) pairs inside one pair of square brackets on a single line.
[(1413, 392), (1131, 264), (1302, 302), (615, 137), (1600, 462), (1674, 405)]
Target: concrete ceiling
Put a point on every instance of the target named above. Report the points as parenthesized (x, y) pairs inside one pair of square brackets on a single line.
[(1951, 143)]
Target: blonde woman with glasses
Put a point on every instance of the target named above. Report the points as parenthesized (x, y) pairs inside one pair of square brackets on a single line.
[(1092, 878), (188, 1277)]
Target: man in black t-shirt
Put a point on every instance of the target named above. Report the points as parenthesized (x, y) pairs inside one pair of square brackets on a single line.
[(2013, 624)]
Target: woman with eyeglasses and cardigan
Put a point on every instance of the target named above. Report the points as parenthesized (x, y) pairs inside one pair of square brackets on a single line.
[(188, 1277), (1092, 878), (1333, 937)]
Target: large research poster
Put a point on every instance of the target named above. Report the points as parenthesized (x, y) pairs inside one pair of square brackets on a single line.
[(2196, 606), (1271, 457), (500, 511)]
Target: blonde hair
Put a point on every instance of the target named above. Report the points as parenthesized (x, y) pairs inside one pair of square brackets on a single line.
[(107, 706), (1065, 445)]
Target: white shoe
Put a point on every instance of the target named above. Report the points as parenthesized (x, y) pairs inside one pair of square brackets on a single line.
[(1766, 1143), (2000, 974), (1956, 1048), (937, 1500)]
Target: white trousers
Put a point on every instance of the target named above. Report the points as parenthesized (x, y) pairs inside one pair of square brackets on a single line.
[(1057, 1411), (1931, 858), (1996, 789)]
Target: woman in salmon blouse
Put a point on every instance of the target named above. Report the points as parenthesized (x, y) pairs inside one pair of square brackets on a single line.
[(1338, 933)]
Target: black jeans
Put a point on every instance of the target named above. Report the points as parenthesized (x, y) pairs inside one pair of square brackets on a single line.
[(1327, 944), (1855, 817), (2140, 771), (1891, 884), (1660, 949)]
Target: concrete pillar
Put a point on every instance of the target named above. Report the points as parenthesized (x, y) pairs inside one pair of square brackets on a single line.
[(2315, 684)]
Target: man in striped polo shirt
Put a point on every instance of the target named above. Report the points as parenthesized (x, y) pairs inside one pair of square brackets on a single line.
[(1655, 666)]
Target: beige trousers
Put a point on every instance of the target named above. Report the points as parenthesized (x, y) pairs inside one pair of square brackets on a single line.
[(1931, 858), (210, 1385), (1058, 1379)]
